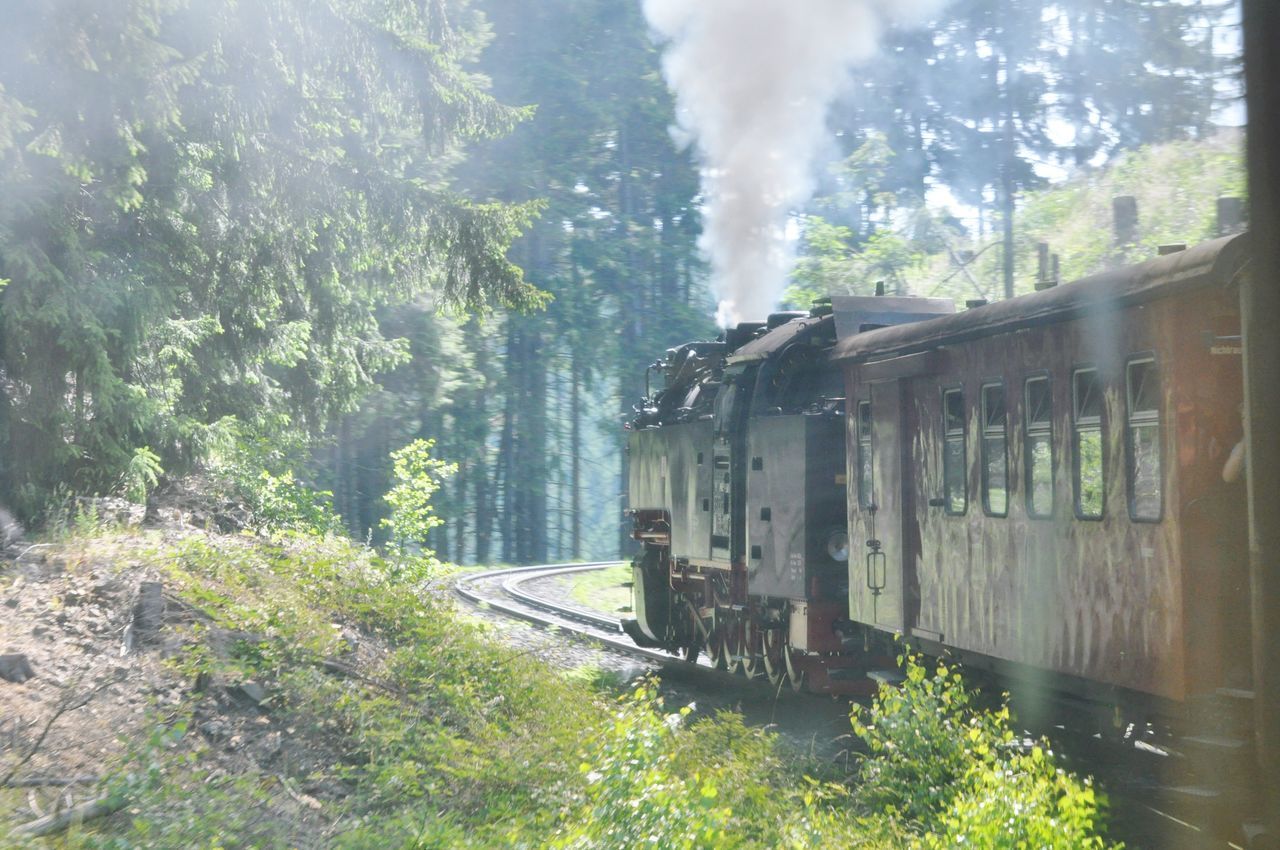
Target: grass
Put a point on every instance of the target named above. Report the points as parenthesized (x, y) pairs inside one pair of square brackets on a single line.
[(405, 726), (607, 590)]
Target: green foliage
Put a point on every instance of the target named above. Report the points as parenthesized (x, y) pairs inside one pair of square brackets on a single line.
[(636, 795), (141, 475), (280, 503), (955, 774), (204, 207), (259, 471), (1019, 802), (418, 476), (1176, 185)]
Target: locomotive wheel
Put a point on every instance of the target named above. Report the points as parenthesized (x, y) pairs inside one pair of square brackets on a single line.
[(690, 650), (753, 651), (773, 644), (717, 651), (794, 674), (734, 643)]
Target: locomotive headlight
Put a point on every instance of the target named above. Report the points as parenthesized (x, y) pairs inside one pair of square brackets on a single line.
[(838, 546)]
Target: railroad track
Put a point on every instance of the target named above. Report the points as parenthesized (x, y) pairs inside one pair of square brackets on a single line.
[(503, 591)]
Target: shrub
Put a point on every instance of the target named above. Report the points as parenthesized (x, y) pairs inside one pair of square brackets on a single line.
[(957, 775), (636, 796)]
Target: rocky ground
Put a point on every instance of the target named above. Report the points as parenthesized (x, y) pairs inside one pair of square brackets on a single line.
[(97, 645), (92, 650), (96, 655)]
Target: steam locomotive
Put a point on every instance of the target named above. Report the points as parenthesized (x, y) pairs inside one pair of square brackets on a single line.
[(1043, 487)]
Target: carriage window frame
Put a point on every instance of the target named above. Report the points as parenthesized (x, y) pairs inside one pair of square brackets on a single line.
[(1081, 425), (1031, 430), (865, 453), (988, 433), (950, 436), (1142, 419)]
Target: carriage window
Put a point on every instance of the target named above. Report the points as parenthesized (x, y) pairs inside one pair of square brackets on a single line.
[(1087, 445), (864, 454), (1038, 419), (995, 452), (1143, 438), (954, 485)]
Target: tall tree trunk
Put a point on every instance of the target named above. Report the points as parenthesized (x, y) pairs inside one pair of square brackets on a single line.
[(535, 454), (631, 316), (575, 454), (506, 447), (483, 490), (460, 511), (1008, 186), (562, 480)]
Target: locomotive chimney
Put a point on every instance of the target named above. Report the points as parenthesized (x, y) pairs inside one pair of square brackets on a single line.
[(1042, 266), (1230, 215), (1124, 210)]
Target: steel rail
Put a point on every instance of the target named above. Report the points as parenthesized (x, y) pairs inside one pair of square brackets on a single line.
[(576, 621)]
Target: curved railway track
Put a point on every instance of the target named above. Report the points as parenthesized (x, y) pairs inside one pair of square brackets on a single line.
[(502, 591)]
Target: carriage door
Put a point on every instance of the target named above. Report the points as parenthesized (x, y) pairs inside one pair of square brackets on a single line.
[(883, 549)]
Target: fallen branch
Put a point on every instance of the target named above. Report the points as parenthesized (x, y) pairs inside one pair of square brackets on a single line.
[(59, 821), (302, 799), (43, 781), (351, 673)]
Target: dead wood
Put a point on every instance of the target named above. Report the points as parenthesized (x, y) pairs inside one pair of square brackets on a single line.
[(59, 821)]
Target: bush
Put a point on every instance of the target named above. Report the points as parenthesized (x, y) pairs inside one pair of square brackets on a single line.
[(957, 775), (636, 796)]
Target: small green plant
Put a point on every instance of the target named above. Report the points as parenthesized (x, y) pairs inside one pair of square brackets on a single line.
[(418, 477), (141, 475), (637, 795)]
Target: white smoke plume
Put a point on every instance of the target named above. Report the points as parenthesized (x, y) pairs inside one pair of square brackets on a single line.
[(753, 81)]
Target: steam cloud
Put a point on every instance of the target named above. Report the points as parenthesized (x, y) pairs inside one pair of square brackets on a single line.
[(753, 81)]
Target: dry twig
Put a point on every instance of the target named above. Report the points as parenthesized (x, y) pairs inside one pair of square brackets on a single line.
[(59, 821)]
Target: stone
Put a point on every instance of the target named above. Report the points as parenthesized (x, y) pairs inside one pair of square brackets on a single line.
[(15, 668), (251, 691), (215, 730), (106, 590), (148, 611)]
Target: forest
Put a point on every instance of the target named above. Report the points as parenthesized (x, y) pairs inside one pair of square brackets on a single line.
[(311, 311), (274, 243)]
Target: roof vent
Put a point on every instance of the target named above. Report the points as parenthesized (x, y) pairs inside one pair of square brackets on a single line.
[(1172, 248), (975, 302)]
